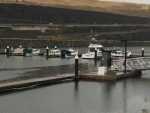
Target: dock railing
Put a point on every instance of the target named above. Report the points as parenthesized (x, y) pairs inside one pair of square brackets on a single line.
[(132, 63)]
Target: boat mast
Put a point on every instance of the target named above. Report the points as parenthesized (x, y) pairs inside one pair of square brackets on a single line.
[(72, 42)]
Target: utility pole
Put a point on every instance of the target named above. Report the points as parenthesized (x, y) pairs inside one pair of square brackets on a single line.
[(125, 56)]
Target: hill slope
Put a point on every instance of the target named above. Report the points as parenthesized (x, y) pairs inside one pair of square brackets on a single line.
[(120, 20), (27, 13), (141, 10)]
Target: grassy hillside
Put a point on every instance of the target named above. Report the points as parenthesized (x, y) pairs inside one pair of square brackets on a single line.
[(23, 13), (108, 21), (141, 10)]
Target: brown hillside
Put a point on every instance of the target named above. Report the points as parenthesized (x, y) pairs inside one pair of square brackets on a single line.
[(131, 9)]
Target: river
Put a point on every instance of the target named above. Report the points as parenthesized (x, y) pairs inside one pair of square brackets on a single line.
[(124, 96)]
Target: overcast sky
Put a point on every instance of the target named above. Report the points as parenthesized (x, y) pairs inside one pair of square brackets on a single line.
[(132, 1)]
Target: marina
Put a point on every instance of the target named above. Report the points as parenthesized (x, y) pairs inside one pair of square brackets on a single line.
[(66, 56), (40, 76), (103, 71)]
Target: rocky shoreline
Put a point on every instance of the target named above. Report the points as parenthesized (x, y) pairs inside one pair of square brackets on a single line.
[(51, 43)]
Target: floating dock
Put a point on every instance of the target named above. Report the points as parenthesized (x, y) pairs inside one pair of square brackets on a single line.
[(119, 76), (24, 84)]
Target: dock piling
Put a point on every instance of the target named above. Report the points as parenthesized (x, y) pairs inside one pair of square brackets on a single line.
[(95, 57), (142, 52), (47, 52), (76, 67), (7, 51)]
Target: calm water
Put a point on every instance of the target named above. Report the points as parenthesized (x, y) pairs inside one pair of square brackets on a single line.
[(125, 96)]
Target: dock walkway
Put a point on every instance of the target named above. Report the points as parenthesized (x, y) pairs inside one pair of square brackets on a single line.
[(35, 82), (119, 75), (86, 75)]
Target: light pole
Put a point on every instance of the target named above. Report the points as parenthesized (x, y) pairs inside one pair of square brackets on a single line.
[(125, 56)]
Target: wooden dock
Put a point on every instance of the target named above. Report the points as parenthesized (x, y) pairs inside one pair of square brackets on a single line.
[(35, 82)]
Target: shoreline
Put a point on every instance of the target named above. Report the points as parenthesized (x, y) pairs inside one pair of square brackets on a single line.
[(42, 43)]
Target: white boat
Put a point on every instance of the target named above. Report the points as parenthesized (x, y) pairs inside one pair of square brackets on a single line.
[(68, 53), (91, 51), (31, 52), (120, 53), (18, 51), (35, 52), (54, 52), (73, 52)]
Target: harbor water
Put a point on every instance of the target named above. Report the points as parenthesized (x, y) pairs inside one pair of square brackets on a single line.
[(125, 96)]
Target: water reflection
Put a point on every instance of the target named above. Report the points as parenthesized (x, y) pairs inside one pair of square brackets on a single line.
[(80, 97)]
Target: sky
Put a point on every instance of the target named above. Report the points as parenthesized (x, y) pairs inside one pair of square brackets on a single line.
[(131, 1)]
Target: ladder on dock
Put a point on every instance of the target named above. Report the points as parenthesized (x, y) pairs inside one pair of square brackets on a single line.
[(139, 63)]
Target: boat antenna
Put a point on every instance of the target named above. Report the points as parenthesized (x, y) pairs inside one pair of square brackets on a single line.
[(115, 45), (68, 44), (72, 42), (31, 43), (91, 34)]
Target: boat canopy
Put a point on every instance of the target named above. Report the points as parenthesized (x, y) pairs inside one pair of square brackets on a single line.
[(65, 52)]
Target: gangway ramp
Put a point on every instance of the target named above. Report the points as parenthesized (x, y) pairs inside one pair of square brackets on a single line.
[(139, 63)]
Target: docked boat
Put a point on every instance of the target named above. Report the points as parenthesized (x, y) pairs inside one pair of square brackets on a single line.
[(54, 53), (35, 52), (120, 53), (31, 52), (68, 53), (18, 51), (91, 51)]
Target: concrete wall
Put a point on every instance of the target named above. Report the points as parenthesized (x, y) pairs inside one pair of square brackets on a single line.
[(24, 28), (42, 28)]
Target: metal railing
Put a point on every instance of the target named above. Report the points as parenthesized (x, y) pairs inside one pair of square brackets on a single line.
[(132, 63)]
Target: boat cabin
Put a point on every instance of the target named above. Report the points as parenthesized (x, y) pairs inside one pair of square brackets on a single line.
[(93, 47)]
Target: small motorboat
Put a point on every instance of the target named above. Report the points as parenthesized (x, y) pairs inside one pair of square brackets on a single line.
[(120, 53), (31, 52), (68, 53), (18, 51), (54, 53), (91, 51)]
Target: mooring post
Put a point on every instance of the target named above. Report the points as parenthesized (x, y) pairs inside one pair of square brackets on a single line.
[(76, 67), (47, 52), (142, 52), (125, 70), (95, 57), (7, 51)]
